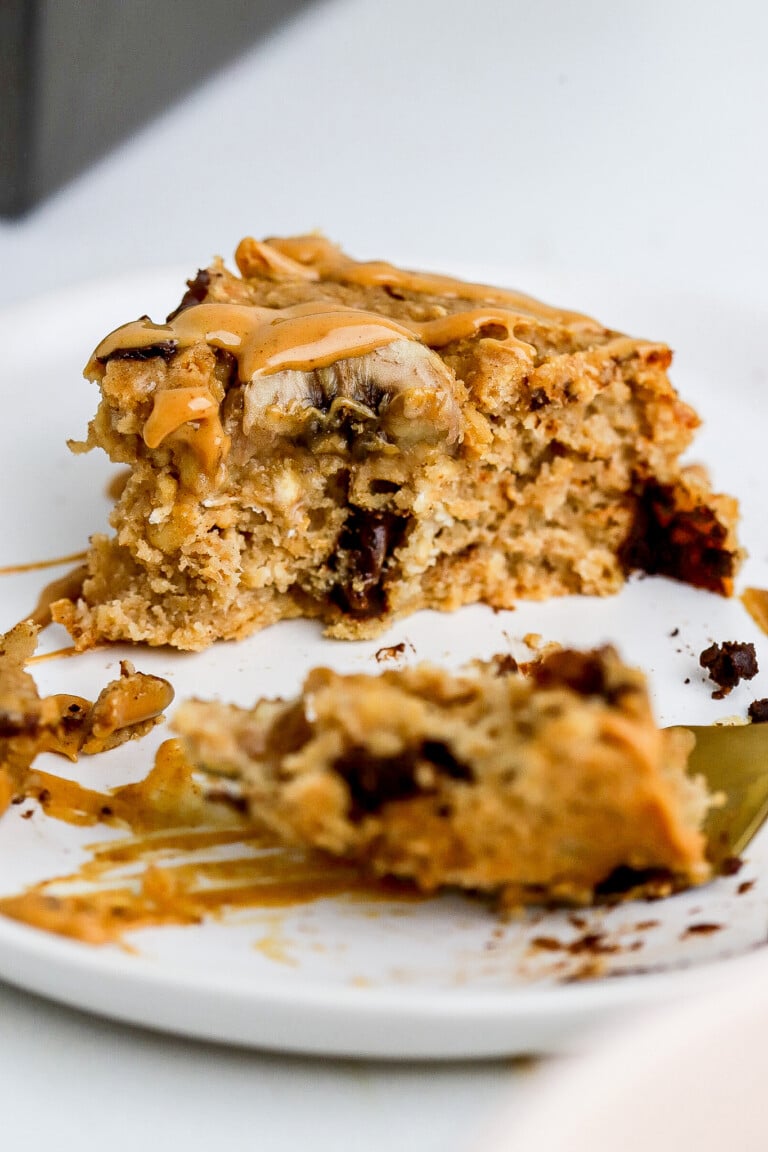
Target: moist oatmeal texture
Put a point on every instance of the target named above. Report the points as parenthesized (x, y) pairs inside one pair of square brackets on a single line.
[(543, 787), (352, 442)]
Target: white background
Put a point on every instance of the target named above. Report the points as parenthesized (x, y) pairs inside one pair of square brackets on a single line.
[(624, 140)]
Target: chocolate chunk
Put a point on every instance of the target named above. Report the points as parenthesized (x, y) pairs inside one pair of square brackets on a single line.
[(13, 724), (163, 348), (582, 672), (197, 290), (624, 881), (374, 781), (669, 538), (728, 663), (365, 544), (440, 755), (538, 399), (758, 711)]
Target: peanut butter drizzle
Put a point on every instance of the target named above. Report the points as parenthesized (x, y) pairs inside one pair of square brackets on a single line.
[(124, 704), (39, 565), (116, 484), (57, 654), (156, 877), (67, 587), (175, 408), (317, 254), (152, 804), (263, 340), (755, 600), (308, 336)]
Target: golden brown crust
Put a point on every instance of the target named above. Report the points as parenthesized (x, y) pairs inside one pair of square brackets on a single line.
[(542, 786), (534, 454)]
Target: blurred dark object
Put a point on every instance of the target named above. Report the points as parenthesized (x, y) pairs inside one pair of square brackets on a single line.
[(76, 76)]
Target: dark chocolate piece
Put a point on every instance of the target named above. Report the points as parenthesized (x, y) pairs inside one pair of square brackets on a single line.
[(377, 780), (729, 663), (669, 539), (758, 711), (197, 290)]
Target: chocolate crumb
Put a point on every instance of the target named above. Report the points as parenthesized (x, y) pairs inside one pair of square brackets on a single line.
[(758, 711), (503, 664), (26, 815), (730, 866), (675, 632), (687, 680), (702, 929), (745, 886), (548, 944), (197, 290), (390, 653), (729, 663), (594, 943), (44, 796)]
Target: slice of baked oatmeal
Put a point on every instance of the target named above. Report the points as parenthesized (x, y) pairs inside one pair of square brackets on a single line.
[(349, 441), (545, 786)]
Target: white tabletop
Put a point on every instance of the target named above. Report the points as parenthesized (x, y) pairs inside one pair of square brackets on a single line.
[(552, 136)]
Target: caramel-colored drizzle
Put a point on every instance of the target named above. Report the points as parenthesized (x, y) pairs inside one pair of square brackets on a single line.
[(317, 255), (67, 587), (38, 565), (57, 654), (169, 884), (125, 704), (263, 340), (194, 414), (308, 336), (755, 600)]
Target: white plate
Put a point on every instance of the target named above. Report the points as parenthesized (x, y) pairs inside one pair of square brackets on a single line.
[(439, 978)]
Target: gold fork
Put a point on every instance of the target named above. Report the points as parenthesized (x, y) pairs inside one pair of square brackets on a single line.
[(733, 759)]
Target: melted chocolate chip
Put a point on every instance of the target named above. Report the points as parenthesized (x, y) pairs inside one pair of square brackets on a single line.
[(624, 881), (539, 399), (365, 544), (582, 672), (667, 538), (440, 755), (374, 781), (728, 663), (163, 349), (197, 290)]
